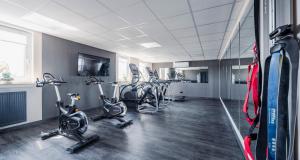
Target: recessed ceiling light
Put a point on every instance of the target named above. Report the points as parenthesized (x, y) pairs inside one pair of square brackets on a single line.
[(47, 22), (150, 45)]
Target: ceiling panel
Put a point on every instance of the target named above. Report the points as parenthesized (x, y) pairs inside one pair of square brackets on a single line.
[(211, 45), (86, 8), (60, 13), (175, 48), (211, 52), (213, 15), (205, 43), (91, 27), (210, 57), (185, 32), (153, 28), (164, 39), (195, 53), (212, 37), (159, 7), (118, 4), (137, 14), (206, 4), (112, 36), (131, 32), (197, 57), (182, 21), (193, 48), (139, 40), (188, 40), (11, 10), (212, 28), (29, 4), (112, 21)]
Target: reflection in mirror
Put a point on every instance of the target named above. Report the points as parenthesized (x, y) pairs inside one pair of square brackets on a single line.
[(239, 74), (188, 74), (247, 41), (235, 89), (234, 72)]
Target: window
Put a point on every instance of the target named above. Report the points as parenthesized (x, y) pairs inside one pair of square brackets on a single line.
[(123, 69), (203, 76), (163, 73), (142, 68), (15, 55)]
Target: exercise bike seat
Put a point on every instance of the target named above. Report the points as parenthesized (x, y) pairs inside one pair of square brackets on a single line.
[(72, 94)]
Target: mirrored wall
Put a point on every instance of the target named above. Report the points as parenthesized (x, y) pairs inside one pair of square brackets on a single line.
[(186, 74), (234, 71)]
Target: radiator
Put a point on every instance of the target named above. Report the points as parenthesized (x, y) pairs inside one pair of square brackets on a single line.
[(12, 108)]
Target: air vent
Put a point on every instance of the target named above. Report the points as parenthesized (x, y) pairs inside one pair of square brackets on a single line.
[(181, 64)]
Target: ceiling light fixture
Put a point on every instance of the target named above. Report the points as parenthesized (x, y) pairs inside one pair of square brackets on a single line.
[(47, 22), (150, 45)]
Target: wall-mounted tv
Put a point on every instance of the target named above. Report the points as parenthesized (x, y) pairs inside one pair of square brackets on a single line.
[(90, 65)]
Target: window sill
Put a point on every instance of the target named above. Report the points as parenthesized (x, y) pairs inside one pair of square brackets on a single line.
[(16, 84)]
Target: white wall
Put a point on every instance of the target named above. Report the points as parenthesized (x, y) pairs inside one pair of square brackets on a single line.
[(34, 95), (190, 90)]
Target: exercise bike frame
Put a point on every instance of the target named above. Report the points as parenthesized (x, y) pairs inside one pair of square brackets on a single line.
[(108, 105), (49, 79)]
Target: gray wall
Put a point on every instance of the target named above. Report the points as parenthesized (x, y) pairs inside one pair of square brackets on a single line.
[(59, 57), (162, 65)]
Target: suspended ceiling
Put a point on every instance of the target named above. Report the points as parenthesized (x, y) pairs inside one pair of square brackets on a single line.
[(183, 29)]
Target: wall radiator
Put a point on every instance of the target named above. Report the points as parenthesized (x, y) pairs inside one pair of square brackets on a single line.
[(12, 108)]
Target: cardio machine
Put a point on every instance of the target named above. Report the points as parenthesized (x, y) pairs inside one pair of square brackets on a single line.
[(72, 122), (163, 86), (142, 95), (112, 108)]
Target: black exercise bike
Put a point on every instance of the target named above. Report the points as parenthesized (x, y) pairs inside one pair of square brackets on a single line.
[(72, 122), (112, 108)]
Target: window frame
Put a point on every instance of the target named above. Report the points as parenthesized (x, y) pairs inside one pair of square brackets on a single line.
[(29, 61), (120, 58)]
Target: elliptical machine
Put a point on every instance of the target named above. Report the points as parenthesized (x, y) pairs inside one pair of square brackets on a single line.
[(143, 95), (72, 122), (112, 108), (163, 86)]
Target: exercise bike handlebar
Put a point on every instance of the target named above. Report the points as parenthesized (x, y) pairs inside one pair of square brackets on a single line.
[(93, 80), (48, 78)]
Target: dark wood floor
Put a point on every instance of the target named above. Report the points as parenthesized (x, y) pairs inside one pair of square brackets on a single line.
[(197, 129)]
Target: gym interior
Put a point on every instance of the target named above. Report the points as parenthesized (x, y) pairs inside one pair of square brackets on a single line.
[(149, 79)]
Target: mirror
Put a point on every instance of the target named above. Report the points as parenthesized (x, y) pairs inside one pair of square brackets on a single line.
[(188, 74), (234, 72)]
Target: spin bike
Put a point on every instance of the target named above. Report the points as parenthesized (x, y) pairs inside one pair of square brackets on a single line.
[(112, 108), (72, 122), (142, 95)]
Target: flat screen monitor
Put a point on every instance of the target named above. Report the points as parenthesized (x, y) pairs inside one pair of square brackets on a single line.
[(90, 65)]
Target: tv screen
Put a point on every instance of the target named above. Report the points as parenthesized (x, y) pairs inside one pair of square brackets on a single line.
[(89, 65)]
